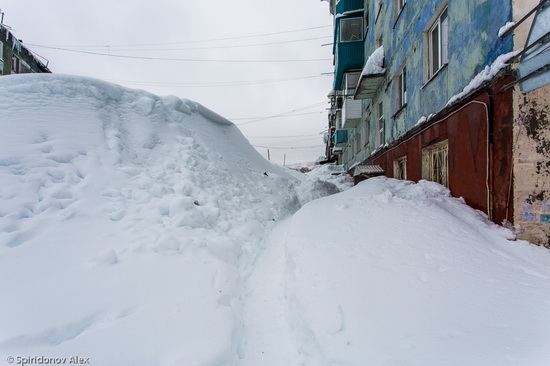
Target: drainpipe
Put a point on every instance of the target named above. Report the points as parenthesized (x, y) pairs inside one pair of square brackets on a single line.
[(490, 158), (488, 175)]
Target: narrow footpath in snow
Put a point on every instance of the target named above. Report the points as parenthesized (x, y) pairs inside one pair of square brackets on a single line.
[(267, 334)]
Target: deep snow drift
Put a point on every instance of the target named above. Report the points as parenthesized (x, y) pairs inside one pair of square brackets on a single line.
[(124, 221), (145, 230)]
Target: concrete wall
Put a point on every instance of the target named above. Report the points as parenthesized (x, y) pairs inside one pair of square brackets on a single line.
[(531, 149), (532, 165)]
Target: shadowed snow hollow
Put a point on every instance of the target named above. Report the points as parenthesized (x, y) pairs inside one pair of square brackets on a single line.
[(124, 217)]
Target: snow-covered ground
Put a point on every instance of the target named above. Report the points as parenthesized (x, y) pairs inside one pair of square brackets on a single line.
[(145, 230)]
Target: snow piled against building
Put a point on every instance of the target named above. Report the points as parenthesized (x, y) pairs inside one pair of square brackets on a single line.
[(395, 273)]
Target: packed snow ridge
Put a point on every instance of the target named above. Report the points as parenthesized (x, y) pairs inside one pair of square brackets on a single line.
[(146, 230)]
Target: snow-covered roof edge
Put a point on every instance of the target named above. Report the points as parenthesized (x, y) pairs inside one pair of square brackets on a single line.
[(18, 45), (488, 73)]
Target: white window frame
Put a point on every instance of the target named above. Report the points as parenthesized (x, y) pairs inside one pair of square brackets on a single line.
[(379, 40), (15, 64), (401, 89), (358, 141), (1, 58), (377, 9), (353, 36), (438, 36), (399, 5), (381, 124), (400, 168), (435, 163), (367, 131)]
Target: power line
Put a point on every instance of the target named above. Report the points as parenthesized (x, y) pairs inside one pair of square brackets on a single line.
[(204, 40), (282, 114), (182, 59), (276, 116), (282, 137), (212, 84), (289, 148), (109, 48)]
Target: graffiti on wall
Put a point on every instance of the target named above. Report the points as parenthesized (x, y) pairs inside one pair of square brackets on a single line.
[(528, 216), (545, 216)]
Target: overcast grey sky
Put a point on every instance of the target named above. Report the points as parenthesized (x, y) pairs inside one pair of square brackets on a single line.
[(255, 35)]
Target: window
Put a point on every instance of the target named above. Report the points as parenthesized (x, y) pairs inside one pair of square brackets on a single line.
[(25, 67), (399, 5), (379, 41), (358, 144), (367, 131), (351, 29), (377, 8), (380, 116), (15, 65), (400, 168), (438, 37), (435, 163), (366, 21), (1, 58), (350, 82), (401, 89)]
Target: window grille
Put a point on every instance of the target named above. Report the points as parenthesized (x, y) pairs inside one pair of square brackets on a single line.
[(400, 168), (436, 163)]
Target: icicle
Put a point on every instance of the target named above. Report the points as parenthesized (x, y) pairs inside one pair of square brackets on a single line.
[(16, 44)]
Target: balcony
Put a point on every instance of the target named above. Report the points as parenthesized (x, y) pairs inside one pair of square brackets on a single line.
[(349, 56), (372, 76), (351, 112), (351, 109), (343, 6), (340, 138), (349, 42)]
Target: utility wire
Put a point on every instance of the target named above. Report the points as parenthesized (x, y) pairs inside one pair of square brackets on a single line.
[(289, 148), (212, 84), (270, 117), (282, 114), (282, 137), (182, 59), (199, 41), (109, 48)]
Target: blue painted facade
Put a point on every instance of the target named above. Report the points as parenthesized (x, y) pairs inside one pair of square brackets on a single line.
[(473, 43)]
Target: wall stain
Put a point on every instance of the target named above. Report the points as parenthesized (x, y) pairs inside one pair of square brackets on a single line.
[(536, 122)]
